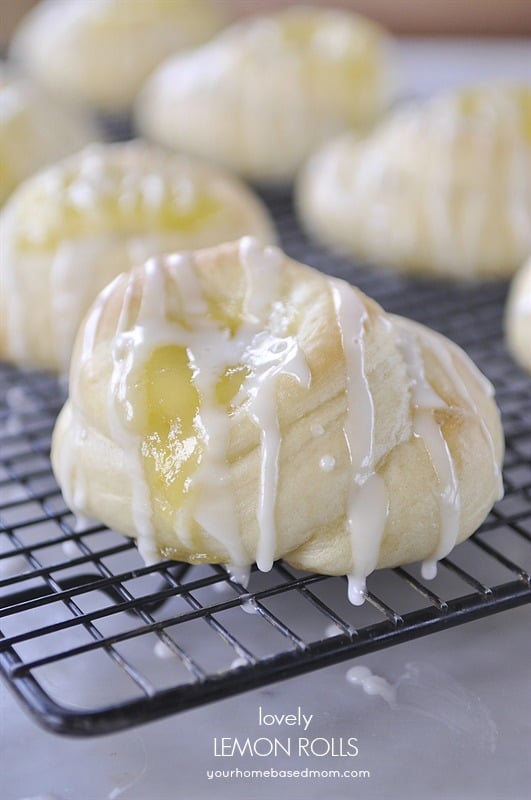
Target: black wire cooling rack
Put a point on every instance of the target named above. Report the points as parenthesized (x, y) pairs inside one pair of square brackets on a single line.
[(93, 641)]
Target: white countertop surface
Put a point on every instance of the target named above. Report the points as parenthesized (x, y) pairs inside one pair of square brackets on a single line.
[(461, 731), (461, 728)]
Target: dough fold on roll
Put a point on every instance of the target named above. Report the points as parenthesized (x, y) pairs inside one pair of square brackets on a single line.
[(99, 52), (518, 316), (234, 406), (72, 228), (442, 188), (261, 96)]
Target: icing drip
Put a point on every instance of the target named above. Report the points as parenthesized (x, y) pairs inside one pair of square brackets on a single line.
[(372, 684), (268, 358), (367, 500), (248, 605), (425, 426), (239, 574), (327, 463)]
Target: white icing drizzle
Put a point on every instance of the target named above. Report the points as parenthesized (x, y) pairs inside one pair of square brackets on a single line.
[(425, 401), (425, 426), (430, 432), (268, 358), (248, 605), (428, 569), (211, 351), (442, 352), (367, 501), (262, 271), (82, 522), (372, 684), (327, 463), (216, 512), (239, 574), (119, 411), (317, 430)]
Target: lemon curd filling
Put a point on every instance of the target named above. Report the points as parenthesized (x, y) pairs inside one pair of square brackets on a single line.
[(169, 421), (167, 404), (109, 201)]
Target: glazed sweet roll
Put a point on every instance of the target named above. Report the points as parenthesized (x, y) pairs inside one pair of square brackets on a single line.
[(234, 406), (99, 52), (440, 189), (71, 229), (261, 96)]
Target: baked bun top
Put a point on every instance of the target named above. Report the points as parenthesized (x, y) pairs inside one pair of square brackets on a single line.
[(261, 96)]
